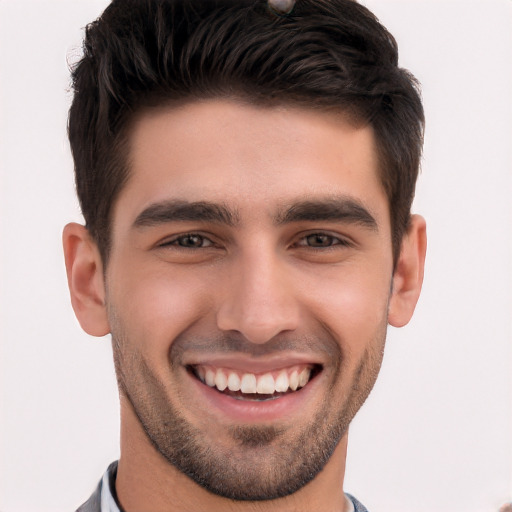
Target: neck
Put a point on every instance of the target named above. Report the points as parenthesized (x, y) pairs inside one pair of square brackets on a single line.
[(146, 482)]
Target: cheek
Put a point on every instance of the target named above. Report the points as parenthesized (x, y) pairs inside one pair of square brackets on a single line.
[(353, 305), (157, 306)]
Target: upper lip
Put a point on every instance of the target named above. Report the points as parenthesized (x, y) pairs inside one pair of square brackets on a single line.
[(251, 364)]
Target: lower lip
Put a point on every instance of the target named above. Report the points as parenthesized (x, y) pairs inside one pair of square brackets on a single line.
[(250, 411)]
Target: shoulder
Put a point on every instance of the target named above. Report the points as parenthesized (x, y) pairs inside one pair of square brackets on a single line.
[(93, 504), (358, 506)]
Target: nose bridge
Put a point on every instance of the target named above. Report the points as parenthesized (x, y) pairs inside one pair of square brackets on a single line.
[(259, 301)]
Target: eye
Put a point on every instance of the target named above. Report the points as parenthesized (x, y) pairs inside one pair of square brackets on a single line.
[(321, 240), (189, 241)]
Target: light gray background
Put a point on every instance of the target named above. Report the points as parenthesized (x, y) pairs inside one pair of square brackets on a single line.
[(436, 434)]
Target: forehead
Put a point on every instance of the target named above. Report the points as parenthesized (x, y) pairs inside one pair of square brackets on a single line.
[(254, 158)]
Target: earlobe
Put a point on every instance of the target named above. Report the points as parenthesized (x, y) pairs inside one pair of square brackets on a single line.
[(408, 276), (85, 279)]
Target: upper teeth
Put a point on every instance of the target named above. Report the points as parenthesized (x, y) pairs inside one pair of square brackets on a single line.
[(265, 384)]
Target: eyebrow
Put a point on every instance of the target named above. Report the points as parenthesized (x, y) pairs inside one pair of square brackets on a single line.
[(343, 209), (178, 210)]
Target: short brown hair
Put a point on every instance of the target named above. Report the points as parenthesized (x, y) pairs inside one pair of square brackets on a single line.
[(327, 54)]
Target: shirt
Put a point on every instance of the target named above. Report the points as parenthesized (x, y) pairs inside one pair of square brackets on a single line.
[(109, 502)]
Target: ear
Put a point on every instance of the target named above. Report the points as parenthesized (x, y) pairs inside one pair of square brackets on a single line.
[(408, 276), (85, 279)]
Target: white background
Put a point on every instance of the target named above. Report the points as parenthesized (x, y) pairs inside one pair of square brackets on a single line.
[(436, 434)]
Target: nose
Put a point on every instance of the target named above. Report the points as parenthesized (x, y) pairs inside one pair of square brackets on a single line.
[(258, 301)]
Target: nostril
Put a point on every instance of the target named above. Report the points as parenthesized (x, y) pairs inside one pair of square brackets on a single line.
[(259, 313)]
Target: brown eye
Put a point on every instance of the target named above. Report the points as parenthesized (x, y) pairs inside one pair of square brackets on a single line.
[(321, 240), (189, 241), (192, 241)]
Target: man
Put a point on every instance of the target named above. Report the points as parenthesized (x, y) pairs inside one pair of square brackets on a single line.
[(246, 171)]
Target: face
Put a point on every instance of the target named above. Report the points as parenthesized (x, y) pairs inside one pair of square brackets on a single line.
[(248, 288)]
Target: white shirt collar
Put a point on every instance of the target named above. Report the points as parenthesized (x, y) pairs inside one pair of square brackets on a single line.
[(350, 505), (108, 503)]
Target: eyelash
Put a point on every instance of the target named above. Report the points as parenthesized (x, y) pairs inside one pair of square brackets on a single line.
[(176, 241), (335, 241)]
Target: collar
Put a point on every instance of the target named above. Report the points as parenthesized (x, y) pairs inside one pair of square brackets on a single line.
[(109, 498)]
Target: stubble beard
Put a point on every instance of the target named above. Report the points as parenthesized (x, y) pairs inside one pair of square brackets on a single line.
[(264, 462)]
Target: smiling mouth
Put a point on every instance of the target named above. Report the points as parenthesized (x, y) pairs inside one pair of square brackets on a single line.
[(253, 386)]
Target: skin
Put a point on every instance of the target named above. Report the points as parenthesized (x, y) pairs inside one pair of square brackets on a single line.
[(267, 287)]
